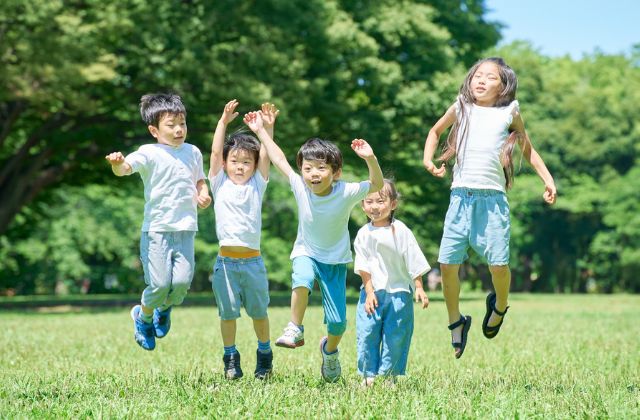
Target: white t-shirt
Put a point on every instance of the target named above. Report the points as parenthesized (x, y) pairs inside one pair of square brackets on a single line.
[(322, 220), (170, 175), (238, 209), (478, 161), (391, 255)]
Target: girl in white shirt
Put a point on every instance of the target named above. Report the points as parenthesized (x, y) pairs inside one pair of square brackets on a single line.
[(391, 265), (486, 124)]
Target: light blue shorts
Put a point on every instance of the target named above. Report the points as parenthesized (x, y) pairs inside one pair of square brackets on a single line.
[(332, 279), (240, 281), (168, 264), (478, 219), (383, 338)]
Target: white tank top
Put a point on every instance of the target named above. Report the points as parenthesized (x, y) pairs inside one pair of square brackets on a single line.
[(478, 156)]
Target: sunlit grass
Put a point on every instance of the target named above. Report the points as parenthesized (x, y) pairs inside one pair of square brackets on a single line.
[(557, 356)]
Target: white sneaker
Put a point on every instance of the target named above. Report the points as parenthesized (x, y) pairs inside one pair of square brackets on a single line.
[(292, 337), (368, 381), (330, 369)]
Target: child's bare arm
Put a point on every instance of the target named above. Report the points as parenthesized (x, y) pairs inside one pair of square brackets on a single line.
[(203, 197), (433, 138), (217, 145), (364, 150), (254, 122), (534, 159), (420, 294), (269, 114), (118, 164), (371, 302)]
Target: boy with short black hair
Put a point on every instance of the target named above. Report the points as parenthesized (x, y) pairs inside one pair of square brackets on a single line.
[(174, 186)]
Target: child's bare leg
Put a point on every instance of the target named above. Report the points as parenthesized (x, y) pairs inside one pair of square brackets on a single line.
[(501, 278), (261, 327), (299, 302), (451, 291), (332, 343), (228, 330)]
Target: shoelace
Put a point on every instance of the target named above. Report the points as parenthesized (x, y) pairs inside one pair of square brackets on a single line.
[(290, 332)]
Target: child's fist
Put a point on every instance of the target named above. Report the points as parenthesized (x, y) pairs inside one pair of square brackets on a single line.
[(204, 201), (115, 158)]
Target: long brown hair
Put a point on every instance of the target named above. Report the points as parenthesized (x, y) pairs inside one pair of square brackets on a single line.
[(457, 138)]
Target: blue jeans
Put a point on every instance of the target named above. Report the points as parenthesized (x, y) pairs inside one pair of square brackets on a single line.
[(332, 279), (383, 338), (168, 263), (241, 280), (478, 219)]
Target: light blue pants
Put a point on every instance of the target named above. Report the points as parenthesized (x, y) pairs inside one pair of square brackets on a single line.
[(168, 263), (383, 338)]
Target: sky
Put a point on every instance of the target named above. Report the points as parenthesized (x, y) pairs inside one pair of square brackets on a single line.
[(574, 27)]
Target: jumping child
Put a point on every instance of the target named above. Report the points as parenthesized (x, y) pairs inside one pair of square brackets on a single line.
[(174, 185), (486, 125), (322, 247)]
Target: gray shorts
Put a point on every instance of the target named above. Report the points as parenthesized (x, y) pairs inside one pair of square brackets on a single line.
[(241, 281)]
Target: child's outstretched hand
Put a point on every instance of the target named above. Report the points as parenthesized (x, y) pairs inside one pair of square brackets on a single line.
[(421, 296), (437, 172), (269, 114), (550, 193), (253, 120), (371, 303), (362, 148), (115, 158), (229, 114)]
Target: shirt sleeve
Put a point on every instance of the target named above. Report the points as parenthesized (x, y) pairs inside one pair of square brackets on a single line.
[(361, 261), (356, 191), (416, 262), (260, 182), (216, 181), (137, 160), (199, 165)]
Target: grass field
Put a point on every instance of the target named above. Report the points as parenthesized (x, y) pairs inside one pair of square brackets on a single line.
[(556, 357)]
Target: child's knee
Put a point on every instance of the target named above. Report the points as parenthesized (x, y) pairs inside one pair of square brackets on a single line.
[(337, 328)]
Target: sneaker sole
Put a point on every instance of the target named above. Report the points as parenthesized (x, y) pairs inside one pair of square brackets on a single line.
[(290, 346)]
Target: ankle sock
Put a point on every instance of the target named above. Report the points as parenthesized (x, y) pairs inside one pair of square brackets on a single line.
[(264, 347), (230, 350), (324, 349), (144, 317)]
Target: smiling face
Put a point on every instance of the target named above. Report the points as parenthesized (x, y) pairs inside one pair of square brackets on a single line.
[(240, 166), (378, 208), (486, 84), (171, 130), (319, 176)]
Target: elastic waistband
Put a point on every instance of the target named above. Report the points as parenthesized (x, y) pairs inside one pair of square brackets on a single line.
[(239, 255), (463, 191)]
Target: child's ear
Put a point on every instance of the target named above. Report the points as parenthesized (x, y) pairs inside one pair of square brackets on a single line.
[(153, 130), (337, 174), (394, 204)]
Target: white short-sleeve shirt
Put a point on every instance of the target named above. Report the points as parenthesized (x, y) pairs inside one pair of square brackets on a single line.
[(478, 162), (391, 255), (169, 175), (322, 220), (238, 209)]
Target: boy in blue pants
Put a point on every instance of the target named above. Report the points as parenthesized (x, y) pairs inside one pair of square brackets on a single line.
[(322, 248), (174, 186)]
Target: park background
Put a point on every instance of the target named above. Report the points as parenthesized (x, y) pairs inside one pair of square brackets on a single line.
[(71, 75)]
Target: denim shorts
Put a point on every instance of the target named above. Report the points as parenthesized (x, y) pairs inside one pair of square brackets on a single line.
[(239, 281), (168, 263), (383, 338), (332, 280), (478, 219)]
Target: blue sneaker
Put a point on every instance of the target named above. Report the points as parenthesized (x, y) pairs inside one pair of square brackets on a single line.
[(264, 365), (162, 322), (143, 332), (232, 369)]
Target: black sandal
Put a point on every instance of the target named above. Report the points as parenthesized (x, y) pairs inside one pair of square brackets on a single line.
[(465, 321), (488, 331)]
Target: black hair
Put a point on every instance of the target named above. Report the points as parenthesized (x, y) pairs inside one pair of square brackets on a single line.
[(241, 141), (321, 150), (154, 106)]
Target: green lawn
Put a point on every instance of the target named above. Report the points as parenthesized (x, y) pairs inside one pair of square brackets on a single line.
[(556, 357)]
